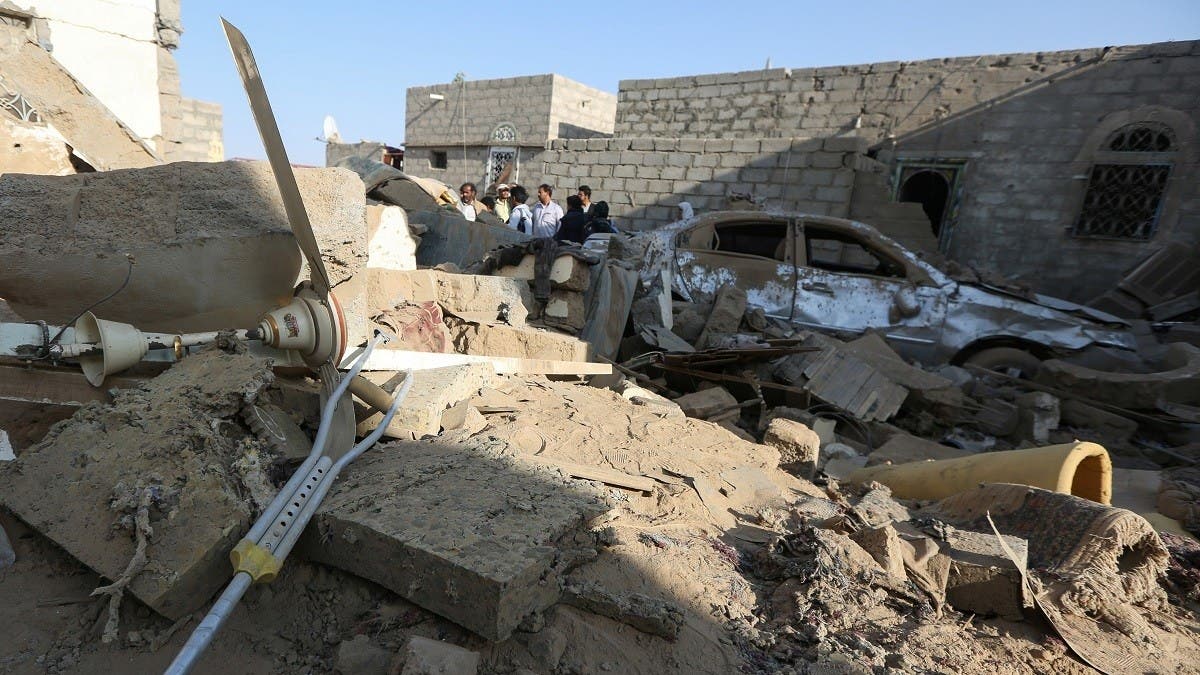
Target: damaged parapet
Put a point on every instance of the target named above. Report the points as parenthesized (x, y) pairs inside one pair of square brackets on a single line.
[(211, 244)]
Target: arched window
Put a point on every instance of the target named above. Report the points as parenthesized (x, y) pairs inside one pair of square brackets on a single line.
[(504, 133), (1127, 182)]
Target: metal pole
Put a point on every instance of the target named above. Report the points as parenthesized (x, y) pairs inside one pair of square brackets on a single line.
[(204, 633)]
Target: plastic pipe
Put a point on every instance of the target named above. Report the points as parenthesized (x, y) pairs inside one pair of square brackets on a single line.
[(1081, 469)]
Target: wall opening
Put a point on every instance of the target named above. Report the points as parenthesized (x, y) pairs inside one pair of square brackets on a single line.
[(931, 190), (1127, 182), (438, 159)]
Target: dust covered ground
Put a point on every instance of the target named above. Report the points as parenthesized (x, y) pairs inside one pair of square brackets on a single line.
[(728, 565)]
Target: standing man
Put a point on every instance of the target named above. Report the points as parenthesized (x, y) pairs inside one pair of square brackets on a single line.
[(503, 208), (585, 195), (546, 214), (468, 206)]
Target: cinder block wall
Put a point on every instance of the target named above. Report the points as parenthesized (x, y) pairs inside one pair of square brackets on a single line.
[(200, 133), (580, 111), (418, 162), (1027, 158), (523, 102), (642, 179), (870, 100)]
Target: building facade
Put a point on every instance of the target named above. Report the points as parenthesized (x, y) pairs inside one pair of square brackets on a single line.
[(489, 131), (1059, 170), (120, 53)]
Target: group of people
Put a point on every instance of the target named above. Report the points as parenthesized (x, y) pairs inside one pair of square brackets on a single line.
[(545, 219)]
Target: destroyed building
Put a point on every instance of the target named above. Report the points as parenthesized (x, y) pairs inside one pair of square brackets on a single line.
[(394, 441), (490, 131), (68, 110), (1059, 170)]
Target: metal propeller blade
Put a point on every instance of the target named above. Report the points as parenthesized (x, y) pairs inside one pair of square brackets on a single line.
[(293, 204)]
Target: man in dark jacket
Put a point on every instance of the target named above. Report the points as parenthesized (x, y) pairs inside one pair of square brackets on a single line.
[(573, 222), (599, 224)]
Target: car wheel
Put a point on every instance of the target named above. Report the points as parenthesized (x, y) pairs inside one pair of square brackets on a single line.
[(1008, 360)]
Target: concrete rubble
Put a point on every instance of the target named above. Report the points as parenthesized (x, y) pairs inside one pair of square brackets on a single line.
[(589, 474)]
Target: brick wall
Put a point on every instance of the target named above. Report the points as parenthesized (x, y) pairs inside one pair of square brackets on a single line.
[(580, 111), (1027, 158), (870, 100), (418, 162), (642, 179), (200, 136), (523, 102)]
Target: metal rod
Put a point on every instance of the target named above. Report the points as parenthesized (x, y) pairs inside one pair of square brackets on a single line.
[(276, 506), (204, 633)]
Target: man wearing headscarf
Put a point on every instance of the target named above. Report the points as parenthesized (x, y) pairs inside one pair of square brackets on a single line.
[(685, 211)]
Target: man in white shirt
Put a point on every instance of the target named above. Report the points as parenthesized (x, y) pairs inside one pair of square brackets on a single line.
[(468, 206), (546, 214)]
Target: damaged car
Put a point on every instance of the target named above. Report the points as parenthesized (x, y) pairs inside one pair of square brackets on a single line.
[(841, 276)]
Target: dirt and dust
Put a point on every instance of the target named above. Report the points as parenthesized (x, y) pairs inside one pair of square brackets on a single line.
[(740, 553)]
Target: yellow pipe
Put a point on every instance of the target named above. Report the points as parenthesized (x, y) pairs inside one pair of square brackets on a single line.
[(1081, 469)]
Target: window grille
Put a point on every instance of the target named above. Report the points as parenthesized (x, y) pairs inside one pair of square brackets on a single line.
[(1127, 182)]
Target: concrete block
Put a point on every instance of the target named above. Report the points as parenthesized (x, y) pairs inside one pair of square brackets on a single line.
[(827, 160), (799, 447), (469, 532), (83, 485), (466, 295), (641, 144), (425, 656), (222, 223), (718, 145), (884, 545), (433, 391), (714, 404), (567, 272), (982, 578), (565, 309), (526, 342)]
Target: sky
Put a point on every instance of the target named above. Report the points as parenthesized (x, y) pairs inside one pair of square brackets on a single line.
[(354, 60)]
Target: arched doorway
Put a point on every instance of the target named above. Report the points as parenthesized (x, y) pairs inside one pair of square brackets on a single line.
[(931, 190)]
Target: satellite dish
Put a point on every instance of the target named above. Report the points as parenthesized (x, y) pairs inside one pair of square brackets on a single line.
[(331, 130)]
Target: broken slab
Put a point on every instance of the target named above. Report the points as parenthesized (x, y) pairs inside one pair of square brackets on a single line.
[(466, 531), (885, 546), (433, 391), (1037, 415), (1176, 383), (391, 241), (174, 441), (983, 579), (638, 611), (729, 307), (360, 657), (474, 297), (425, 656), (566, 310), (799, 447), (524, 342), (64, 239), (566, 272), (450, 238), (711, 404)]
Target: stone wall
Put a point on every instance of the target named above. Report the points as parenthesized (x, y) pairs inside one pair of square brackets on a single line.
[(642, 179), (200, 133), (1027, 158), (870, 100), (418, 162), (580, 111), (523, 102)]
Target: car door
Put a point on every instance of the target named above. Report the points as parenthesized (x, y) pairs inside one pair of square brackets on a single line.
[(847, 281), (755, 252)]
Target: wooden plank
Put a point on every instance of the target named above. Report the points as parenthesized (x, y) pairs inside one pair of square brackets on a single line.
[(1175, 306), (56, 386), (401, 359), (597, 473)]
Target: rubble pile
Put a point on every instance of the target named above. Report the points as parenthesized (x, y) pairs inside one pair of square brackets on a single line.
[(592, 474)]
